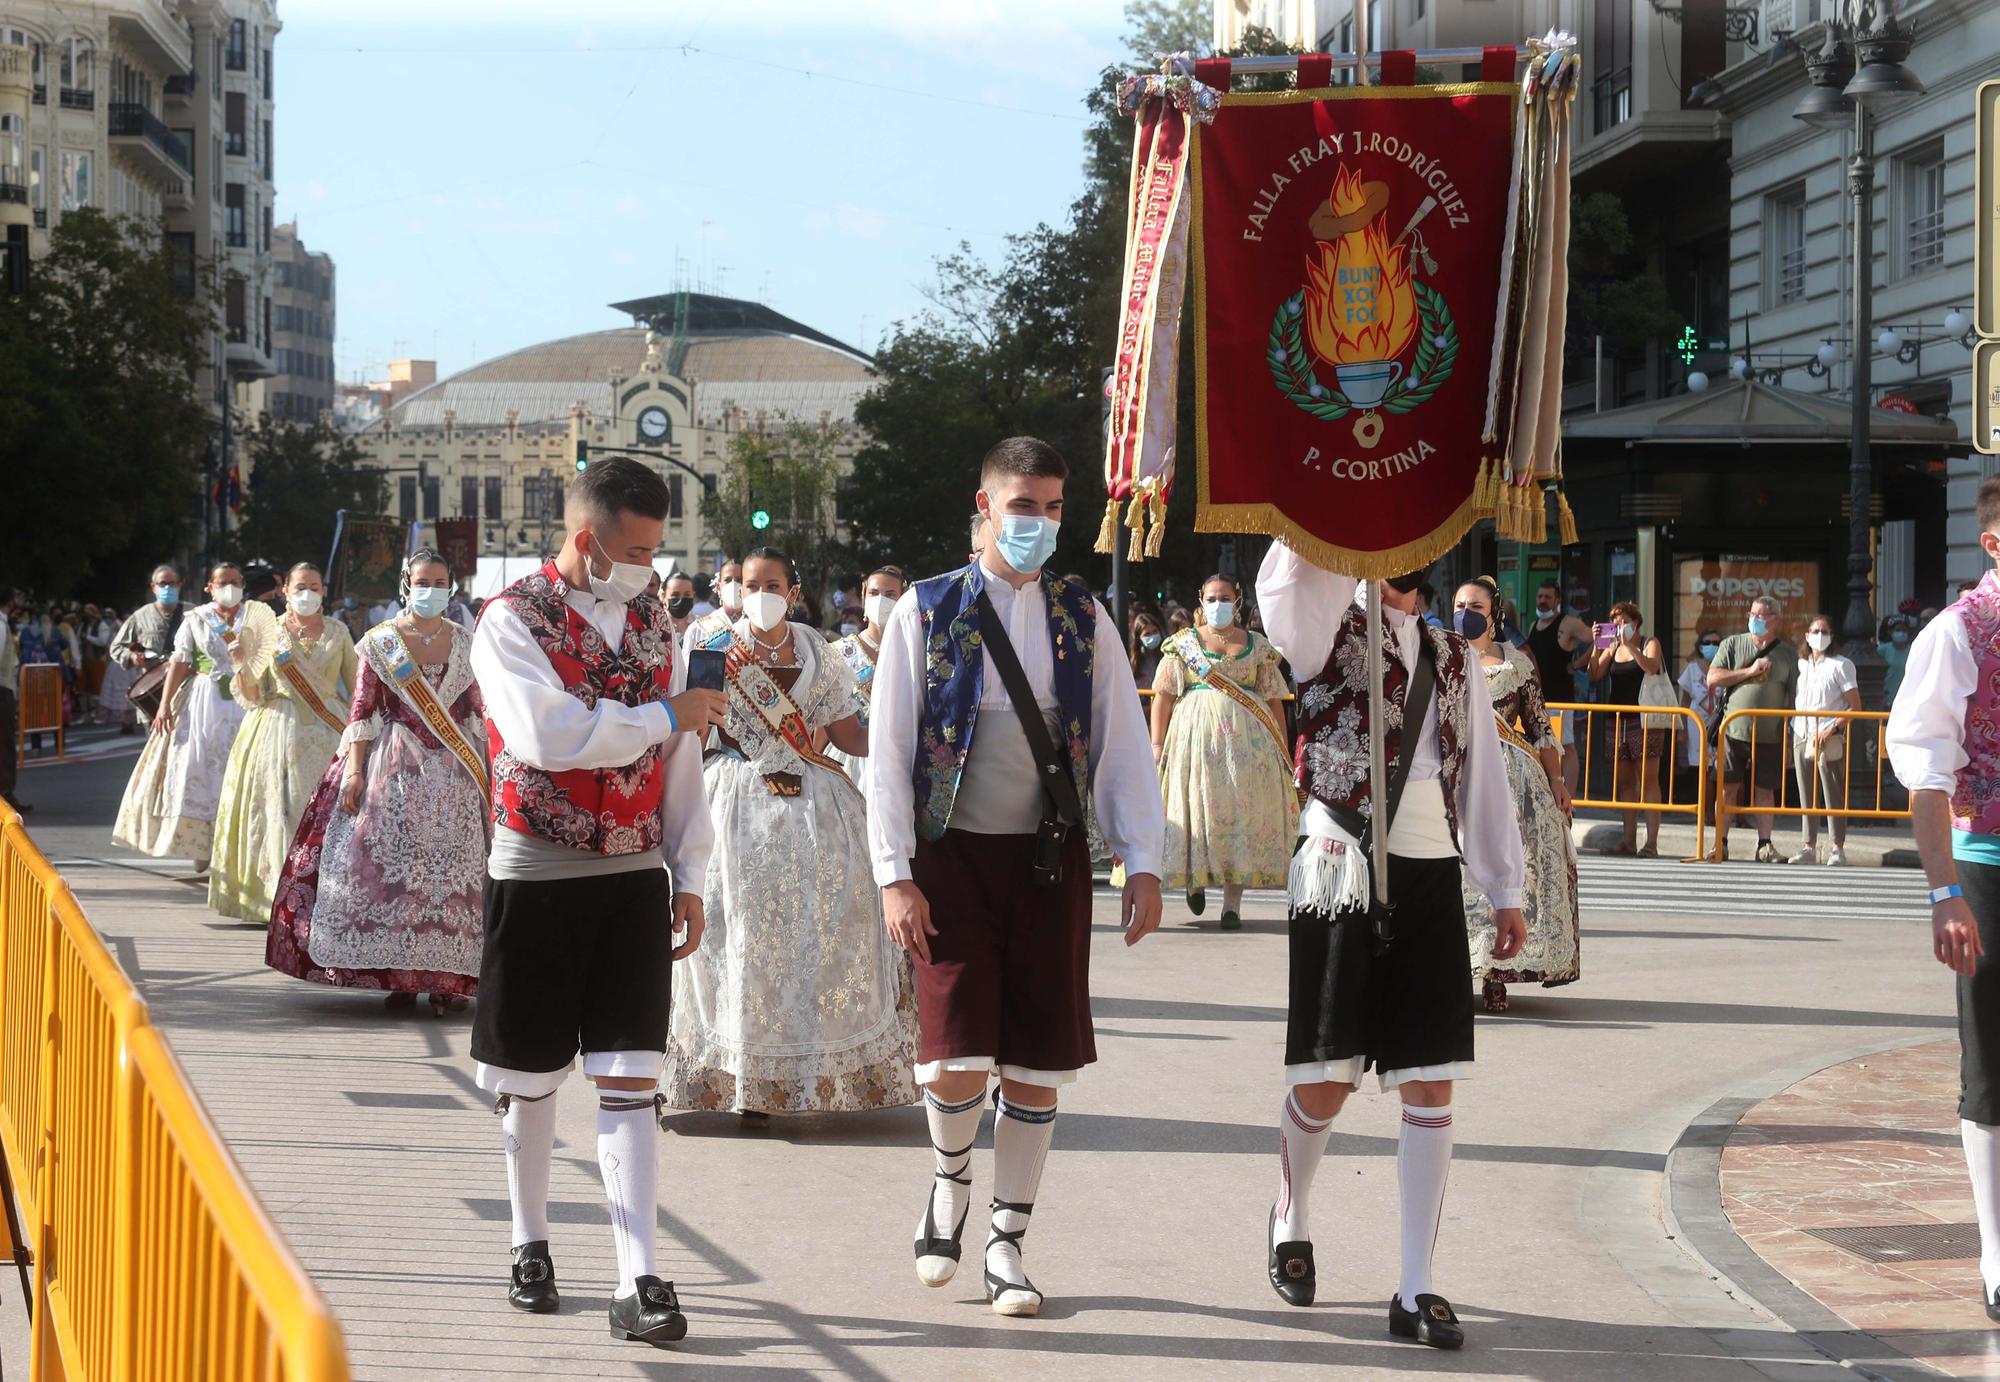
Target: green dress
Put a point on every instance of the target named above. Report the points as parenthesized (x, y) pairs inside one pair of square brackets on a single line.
[(278, 759)]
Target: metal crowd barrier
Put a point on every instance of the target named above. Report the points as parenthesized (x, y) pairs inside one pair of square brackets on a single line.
[(38, 707), (143, 1252), (1669, 729), (1794, 799)]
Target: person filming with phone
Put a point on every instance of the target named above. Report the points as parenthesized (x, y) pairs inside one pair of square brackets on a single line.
[(1758, 675), (1623, 658)]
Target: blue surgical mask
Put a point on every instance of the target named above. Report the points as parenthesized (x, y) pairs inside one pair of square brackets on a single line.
[(428, 601), (1149, 641), (167, 595), (1220, 614), (1469, 622), (1708, 649), (1899, 636), (1759, 627), (1026, 541)]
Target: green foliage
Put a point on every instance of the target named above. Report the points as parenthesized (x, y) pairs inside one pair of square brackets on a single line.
[(1613, 292), (298, 477), (102, 435), (1167, 26), (788, 470)]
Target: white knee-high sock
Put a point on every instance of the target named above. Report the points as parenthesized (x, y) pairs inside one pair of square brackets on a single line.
[(954, 1130), (627, 1143), (1301, 1144), (1021, 1137), (1982, 1160), (1423, 1165), (529, 1126)]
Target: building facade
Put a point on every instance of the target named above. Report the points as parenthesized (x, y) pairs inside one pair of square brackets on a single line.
[(497, 443), (301, 386)]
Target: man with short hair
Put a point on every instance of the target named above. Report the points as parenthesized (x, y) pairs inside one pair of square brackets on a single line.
[(976, 825), (596, 776), (1759, 675), (1552, 642), (1944, 743), (728, 608), (146, 638)]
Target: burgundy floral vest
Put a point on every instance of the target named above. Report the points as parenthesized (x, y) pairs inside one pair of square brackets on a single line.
[(1332, 759), (1975, 800), (603, 810)]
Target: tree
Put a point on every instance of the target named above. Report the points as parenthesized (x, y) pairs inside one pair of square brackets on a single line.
[(300, 476), (788, 471), (1612, 291), (1168, 26), (102, 432)]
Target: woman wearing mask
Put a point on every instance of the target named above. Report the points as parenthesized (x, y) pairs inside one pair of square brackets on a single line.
[(678, 595), (1225, 772), (796, 1001), (1697, 695), (1145, 643), (1895, 650), (1628, 661), (382, 887), (170, 803), (1819, 744), (859, 648), (1542, 806), (297, 678)]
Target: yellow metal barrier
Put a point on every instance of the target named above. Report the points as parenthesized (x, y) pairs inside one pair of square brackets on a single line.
[(151, 1255), (1807, 800), (1632, 734)]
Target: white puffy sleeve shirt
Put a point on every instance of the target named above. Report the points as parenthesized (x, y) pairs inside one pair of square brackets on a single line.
[(1927, 722)]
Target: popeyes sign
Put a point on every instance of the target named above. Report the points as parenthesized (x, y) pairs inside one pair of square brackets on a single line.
[(1716, 593)]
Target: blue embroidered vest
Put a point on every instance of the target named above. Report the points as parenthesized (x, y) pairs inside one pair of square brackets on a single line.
[(955, 672)]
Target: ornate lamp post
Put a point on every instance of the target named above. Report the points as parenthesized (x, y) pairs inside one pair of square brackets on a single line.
[(1861, 61)]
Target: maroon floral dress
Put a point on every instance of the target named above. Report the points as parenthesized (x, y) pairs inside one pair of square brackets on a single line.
[(390, 897)]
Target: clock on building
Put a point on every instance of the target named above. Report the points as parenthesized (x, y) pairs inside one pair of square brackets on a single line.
[(654, 425)]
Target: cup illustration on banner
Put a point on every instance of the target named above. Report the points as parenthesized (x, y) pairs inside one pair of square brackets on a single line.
[(1361, 312)]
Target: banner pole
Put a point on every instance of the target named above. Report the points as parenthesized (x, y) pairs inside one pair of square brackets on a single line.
[(1378, 831)]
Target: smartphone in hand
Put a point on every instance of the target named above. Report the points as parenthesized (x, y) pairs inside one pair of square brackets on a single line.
[(1604, 635), (705, 668)]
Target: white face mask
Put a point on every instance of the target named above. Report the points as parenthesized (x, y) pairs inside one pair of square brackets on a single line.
[(305, 602), (765, 610), (731, 594), (879, 608), (1820, 641), (1220, 614), (626, 580), (229, 596)]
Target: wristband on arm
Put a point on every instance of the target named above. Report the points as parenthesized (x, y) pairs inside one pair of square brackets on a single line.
[(1946, 893)]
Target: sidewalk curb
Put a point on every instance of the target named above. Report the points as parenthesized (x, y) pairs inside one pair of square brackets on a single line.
[(1691, 1209), (1595, 834)]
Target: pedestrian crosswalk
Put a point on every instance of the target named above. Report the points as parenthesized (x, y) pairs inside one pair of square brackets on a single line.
[(1802, 892)]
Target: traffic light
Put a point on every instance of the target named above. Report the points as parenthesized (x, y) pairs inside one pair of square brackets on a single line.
[(582, 455), (760, 520)]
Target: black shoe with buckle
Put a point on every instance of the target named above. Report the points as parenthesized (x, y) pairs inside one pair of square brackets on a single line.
[(533, 1287), (1432, 1322), (1291, 1265), (650, 1315), (1993, 1306)]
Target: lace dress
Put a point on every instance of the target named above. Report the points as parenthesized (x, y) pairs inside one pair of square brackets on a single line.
[(390, 897), (1548, 899), (796, 1001)]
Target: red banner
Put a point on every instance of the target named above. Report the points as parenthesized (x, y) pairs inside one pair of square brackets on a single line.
[(458, 544), (1353, 247)]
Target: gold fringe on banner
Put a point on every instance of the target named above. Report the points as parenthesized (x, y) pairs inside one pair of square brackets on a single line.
[(1157, 533), (1480, 484), (1538, 508), (1135, 519), (1567, 519), (1107, 534)]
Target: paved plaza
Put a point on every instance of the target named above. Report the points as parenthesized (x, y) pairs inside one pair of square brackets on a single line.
[(1584, 1235)]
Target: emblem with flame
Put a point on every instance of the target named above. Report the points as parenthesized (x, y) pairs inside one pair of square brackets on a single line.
[(1359, 314)]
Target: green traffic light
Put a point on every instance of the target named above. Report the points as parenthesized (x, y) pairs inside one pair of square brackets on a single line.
[(582, 456), (760, 520)]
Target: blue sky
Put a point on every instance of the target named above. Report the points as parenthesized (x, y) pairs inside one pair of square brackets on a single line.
[(491, 173)]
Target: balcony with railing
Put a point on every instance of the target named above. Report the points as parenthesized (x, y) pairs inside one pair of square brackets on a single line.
[(151, 29), (13, 188), (182, 86), (150, 142), (73, 98)]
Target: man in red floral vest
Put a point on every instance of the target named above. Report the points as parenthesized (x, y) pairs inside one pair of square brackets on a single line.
[(596, 748)]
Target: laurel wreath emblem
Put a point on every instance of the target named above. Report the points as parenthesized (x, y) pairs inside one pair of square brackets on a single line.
[(1292, 366)]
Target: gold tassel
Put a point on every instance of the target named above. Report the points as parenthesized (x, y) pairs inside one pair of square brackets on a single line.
[(1157, 534), (1538, 507), (1479, 488), (1503, 517), (1107, 533), (1135, 519), (1567, 519)]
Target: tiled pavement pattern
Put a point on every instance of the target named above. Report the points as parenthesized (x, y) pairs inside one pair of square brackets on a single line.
[(1869, 1142)]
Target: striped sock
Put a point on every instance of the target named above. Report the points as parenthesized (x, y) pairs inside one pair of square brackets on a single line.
[(1423, 1165), (1301, 1144), (954, 1130), (1021, 1137)]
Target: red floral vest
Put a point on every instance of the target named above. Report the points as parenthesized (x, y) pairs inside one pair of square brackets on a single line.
[(1975, 798), (1332, 759), (603, 810)]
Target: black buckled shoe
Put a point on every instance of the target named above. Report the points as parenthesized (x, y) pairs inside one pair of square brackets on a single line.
[(650, 1315), (1993, 1306), (533, 1284), (1292, 1274), (1432, 1322)]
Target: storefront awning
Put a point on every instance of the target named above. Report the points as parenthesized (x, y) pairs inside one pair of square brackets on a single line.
[(1750, 413)]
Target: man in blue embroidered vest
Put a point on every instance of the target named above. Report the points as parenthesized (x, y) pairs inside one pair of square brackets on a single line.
[(957, 811)]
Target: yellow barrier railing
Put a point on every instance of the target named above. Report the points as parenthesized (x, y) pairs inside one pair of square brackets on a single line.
[(150, 1255), (1634, 736), (1815, 795)]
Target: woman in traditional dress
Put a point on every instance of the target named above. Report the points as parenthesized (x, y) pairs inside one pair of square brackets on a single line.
[(796, 1002), (170, 802), (859, 650), (382, 887), (297, 679), (1542, 803), (1232, 811)]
